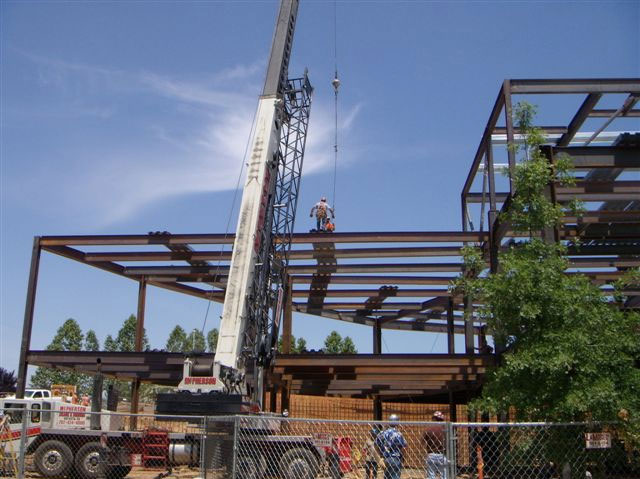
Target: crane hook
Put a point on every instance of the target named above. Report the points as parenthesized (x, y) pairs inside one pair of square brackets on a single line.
[(336, 82)]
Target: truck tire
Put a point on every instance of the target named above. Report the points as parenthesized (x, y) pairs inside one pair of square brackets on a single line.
[(298, 463), (87, 460), (251, 467), (53, 459)]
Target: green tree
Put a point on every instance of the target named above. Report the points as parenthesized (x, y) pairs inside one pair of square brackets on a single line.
[(569, 354), (110, 344), (8, 381), (91, 342), (348, 347), (335, 344), (177, 340), (195, 341), (68, 337), (126, 337), (300, 347), (212, 340)]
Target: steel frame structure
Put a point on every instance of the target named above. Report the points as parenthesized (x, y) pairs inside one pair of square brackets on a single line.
[(398, 280)]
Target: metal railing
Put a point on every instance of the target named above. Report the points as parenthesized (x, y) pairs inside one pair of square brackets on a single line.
[(62, 443)]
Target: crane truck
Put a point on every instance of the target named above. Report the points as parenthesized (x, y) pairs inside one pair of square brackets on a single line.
[(256, 285)]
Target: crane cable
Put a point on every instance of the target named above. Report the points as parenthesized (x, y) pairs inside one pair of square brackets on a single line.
[(336, 85)]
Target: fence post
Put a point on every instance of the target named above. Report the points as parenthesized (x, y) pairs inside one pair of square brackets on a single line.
[(203, 450), (235, 447), (450, 450), (23, 443)]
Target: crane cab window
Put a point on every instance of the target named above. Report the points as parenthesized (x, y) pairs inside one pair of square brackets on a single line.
[(35, 413), (46, 411)]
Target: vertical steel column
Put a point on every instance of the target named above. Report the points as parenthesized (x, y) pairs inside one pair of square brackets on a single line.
[(135, 385), (552, 234), (453, 413), (287, 320), (508, 118), (463, 202), (377, 408), (493, 209), (377, 338), (273, 398), (469, 340), (451, 338), (142, 297), (284, 398), (28, 318)]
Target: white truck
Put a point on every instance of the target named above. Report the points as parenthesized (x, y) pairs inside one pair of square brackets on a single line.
[(58, 437)]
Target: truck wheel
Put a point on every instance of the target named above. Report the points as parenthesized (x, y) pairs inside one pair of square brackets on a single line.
[(87, 460), (53, 459), (298, 463), (251, 467)]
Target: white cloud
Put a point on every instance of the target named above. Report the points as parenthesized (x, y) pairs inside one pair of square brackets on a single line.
[(201, 152)]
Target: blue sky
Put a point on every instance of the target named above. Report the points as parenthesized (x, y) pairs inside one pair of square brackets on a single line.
[(128, 117)]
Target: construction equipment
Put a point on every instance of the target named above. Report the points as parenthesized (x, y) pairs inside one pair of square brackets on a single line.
[(256, 286)]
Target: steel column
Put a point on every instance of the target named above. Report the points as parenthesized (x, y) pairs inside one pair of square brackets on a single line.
[(287, 320), (451, 340), (508, 118), (377, 408), (135, 385), (377, 338), (453, 413), (468, 326), (28, 318)]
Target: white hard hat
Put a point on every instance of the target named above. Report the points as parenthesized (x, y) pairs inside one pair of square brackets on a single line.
[(394, 419)]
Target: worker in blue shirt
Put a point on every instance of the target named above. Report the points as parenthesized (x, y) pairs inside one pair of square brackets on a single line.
[(391, 444)]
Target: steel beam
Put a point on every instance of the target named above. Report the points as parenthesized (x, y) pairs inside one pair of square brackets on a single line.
[(27, 324), (578, 85)]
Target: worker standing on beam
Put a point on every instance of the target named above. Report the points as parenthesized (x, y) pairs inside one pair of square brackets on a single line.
[(322, 210)]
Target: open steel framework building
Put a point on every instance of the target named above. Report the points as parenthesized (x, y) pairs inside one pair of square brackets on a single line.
[(394, 280)]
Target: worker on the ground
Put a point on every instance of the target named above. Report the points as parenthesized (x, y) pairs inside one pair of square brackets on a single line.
[(322, 210), (391, 444)]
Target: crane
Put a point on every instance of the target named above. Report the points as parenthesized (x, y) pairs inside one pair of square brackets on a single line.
[(256, 285)]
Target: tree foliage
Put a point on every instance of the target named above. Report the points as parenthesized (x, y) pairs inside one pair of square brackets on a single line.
[(68, 337), (8, 381), (195, 341), (298, 345), (335, 344), (570, 352), (177, 340), (91, 342), (212, 340), (126, 338)]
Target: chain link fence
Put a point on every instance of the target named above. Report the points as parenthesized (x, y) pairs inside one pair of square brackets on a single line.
[(546, 451), (70, 442)]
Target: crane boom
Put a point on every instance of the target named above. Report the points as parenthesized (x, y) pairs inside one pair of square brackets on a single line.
[(244, 336), (255, 287)]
